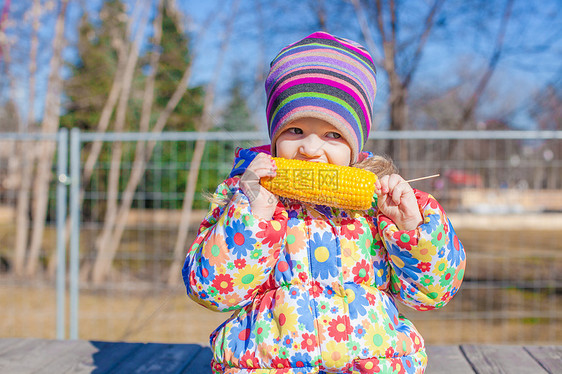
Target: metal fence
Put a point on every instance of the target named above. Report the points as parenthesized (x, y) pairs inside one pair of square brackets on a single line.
[(502, 190), (17, 151)]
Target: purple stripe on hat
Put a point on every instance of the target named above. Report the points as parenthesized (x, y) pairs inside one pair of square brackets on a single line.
[(317, 105), (350, 72), (315, 48), (354, 74), (358, 92), (348, 43), (330, 81), (321, 58), (334, 75)]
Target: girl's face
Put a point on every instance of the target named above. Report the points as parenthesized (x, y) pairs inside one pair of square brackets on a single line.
[(313, 139)]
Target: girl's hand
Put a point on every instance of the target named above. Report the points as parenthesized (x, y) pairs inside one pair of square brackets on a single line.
[(397, 201), (262, 202)]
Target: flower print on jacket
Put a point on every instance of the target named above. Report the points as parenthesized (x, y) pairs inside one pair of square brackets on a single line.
[(271, 232), (223, 283), (300, 359), (214, 253), (323, 256), (305, 313), (339, 328), (315, 288), (205, 272), (350, 229), (238, 239), (361, 271), (357, 300), (457, 255), (249, 276), (241, 338), (403, 263)]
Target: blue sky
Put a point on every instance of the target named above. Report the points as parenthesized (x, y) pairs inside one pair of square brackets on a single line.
[(453, 46)]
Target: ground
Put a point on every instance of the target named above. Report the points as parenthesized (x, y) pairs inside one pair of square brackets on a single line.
[(512, 294)]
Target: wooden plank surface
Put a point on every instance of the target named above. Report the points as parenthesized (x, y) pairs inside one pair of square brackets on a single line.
[(46, 356), (24, 356), (111, 354), (6, 343), (549, 357), (68, 356), (162, 358), (447, 359), (135, 362), (496, 359), (201, 364)]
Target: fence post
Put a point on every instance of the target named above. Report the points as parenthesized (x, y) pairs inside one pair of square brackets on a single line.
[(62, 185), (75, 230)]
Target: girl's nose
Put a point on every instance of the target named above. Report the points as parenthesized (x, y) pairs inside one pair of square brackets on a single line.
[(311, 146)]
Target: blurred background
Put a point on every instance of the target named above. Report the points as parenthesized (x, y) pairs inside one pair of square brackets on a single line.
[(117, 116)]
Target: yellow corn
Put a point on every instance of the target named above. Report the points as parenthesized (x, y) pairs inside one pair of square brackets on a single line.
[(343, 187)]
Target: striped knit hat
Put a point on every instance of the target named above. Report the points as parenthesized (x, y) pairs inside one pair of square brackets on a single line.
[(324, 77)]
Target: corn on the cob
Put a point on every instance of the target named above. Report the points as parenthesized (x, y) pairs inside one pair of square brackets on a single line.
[(321, 183)]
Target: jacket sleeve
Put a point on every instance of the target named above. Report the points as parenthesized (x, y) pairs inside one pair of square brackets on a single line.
[(427, 263), (234, 251)]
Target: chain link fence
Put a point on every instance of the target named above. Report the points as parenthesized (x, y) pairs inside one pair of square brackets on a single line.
[(502, 191)]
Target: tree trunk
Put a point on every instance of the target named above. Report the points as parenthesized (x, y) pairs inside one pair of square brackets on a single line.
[(139, 165), (50, 125), (3, 21), (398, 119), (22, 211), (26, 157), (104, 255), (398, 84), (467, 113), (102, 126), (206, 124)]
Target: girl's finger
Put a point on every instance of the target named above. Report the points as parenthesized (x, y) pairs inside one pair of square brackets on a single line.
[(398, 192), (265, 171), (262, 165), (394, 180), (383, 184)]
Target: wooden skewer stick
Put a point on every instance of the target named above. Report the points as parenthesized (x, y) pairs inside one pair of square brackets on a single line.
[(416, 179), (419, 179)]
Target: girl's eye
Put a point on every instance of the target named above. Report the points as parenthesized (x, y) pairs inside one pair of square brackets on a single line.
[(295, 130), (333, 135)]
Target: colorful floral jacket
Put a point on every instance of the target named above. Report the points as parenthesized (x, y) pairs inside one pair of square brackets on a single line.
[(313, 290)]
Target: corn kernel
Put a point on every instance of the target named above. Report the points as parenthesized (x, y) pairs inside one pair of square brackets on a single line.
[(342, 187)]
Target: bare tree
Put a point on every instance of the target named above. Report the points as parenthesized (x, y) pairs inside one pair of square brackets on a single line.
[(206, 124), (3, 19), (122, 48), (256, 95), (469, 107), (26, 157), (319, 9), (11, 120), (49, 125), (104, 257), (474, 98), (547, 112), (137, 171), (386, 23)]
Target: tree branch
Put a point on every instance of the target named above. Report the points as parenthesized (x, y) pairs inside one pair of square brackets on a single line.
[(367, 34), (494, 59), (189, 197), (50, 125), (428, 25)]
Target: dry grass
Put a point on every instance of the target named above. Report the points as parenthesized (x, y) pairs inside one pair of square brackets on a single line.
[(156, 316), (482, 312), (169, 316)]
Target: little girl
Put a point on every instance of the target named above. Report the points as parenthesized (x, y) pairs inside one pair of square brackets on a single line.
[(313, 288)]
